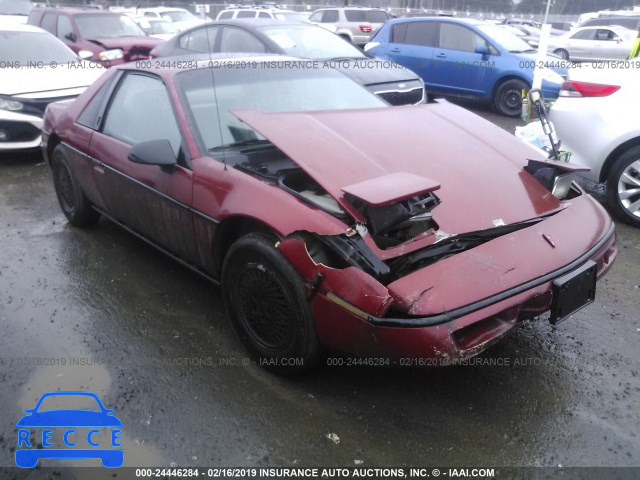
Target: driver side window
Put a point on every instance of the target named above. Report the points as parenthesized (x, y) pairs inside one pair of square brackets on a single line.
[(141, 111)]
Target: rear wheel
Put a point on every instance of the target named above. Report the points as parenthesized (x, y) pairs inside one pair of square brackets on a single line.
[(562, 53), (623, 187), (73, 202), (508, 97), (266, 301)]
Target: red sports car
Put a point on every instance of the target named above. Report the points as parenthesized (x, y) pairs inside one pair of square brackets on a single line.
[(330, 219)]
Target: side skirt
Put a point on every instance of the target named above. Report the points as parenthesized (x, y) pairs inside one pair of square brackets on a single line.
[(147, 240)]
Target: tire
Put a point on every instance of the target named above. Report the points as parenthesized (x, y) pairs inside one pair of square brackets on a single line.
[(623, 187), (508, 97), (73, 202), (562, 53), (266, 301), (345, 37)]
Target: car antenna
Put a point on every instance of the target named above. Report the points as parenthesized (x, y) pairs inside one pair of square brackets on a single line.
[(215, 97)]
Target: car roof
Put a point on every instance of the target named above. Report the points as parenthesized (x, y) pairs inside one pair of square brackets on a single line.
[(79, 10), (259, 22), (162, 9), (465, 21), (602, 27), (19, 27), (351, 7), (260, 9)]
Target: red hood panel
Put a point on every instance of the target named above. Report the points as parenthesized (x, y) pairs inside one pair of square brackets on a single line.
[(504, 262), (478, 165)]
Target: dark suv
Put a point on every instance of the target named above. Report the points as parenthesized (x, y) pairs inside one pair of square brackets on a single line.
[(107, 37)]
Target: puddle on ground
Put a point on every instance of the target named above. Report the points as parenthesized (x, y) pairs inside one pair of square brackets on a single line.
[(83, 378)]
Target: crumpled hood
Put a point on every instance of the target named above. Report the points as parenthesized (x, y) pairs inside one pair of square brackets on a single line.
[(479, 166), (372, 71), (48, 82)]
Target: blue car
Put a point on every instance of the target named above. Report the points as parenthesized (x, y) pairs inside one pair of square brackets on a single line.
[(466, 58), (64, 421)]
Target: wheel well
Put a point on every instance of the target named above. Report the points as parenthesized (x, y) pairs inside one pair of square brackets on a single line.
[(230, 230), (500, 82), (54, 140), (345, 36), (613, 156)]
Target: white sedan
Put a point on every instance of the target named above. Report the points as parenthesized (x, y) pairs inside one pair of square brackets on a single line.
[(596, 121), (594, 43), (37, 69)]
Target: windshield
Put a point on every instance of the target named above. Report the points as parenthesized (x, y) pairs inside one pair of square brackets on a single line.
[(505, 39), (271, 87), (14, 7), (311, 42), (291, 17), (24, 47), (627, 35), (179, 16), (94, 26)]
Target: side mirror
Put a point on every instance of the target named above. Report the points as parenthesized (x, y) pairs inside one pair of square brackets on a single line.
[(153, 152), (483, 50), (71, 37)]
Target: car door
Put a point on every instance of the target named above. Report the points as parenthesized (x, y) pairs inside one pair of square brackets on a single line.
[(580, 45), (610, 45), (153, 201), (457, 67), (411, 45)]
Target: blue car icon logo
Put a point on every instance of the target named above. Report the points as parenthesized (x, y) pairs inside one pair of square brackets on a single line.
[(70, 433)]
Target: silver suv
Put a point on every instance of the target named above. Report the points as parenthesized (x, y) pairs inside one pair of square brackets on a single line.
[(356, 24)]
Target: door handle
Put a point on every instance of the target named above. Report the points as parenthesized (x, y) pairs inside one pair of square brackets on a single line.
[(441, 55), (395, 50)]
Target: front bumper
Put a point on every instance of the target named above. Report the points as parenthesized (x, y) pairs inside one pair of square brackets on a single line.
[(22, 131), (457, 334), (457, 316)]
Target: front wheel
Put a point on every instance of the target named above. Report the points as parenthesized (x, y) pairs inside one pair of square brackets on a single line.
[(623, 187), (73, 202), (266, 300), (563, 54), (508, 97)]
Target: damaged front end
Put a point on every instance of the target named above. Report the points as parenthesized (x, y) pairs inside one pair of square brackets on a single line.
[(420, 269)]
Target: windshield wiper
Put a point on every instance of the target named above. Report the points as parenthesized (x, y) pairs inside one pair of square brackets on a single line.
[(243, 143), (523, 51)]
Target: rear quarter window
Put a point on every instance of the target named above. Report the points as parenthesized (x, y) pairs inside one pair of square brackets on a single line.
[(34, 18), (49, 22)]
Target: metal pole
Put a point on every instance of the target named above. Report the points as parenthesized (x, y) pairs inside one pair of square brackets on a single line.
[(546, 14)]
